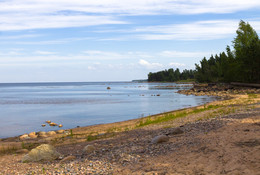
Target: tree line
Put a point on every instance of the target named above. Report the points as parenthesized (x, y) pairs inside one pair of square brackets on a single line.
[(242, 64), (171, 75)]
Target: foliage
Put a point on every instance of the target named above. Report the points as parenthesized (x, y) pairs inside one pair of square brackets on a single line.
[(171, 75), (240, 65)]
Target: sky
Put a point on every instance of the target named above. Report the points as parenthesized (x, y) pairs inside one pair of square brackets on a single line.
[(113, 40)]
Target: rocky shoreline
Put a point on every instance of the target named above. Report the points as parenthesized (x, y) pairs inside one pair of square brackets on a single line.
[(222, 137)]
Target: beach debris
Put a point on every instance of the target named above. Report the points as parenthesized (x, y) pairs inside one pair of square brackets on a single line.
[(67, 159), (48, 121), (33, 135), (108, 88), (53, 124), (50, 133), (88, 149), (43, 152), (60, 125), (43, 125), (160, 139), (24, 137)]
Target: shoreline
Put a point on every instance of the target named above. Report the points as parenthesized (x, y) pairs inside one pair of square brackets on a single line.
[(131, 123), (221, 136)]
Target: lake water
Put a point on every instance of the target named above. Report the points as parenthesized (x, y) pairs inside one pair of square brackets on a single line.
[(25, 106)]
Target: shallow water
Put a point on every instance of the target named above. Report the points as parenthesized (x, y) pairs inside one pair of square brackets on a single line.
[(25, 106)]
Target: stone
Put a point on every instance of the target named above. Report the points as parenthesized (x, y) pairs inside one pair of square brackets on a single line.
[(61, 131), (42, 134), (67, 159), (60, 125), (160, 139), (22, 151), (53, 124), (51, 133), (44, 152), (24, 137), (43, 125), (48, 121), (88, 148), (175, 131), (33, 135)]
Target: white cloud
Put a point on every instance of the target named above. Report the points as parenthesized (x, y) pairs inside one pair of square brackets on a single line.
[(31, 14), (179, 54), (44, 52), (201, 30), (177, 64), (148, 65)]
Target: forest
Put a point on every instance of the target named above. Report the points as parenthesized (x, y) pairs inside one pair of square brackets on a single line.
[(242, 64), (171, 75)]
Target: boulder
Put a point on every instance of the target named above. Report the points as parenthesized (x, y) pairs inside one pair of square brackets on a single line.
[(61, 131), (33, 135), (88, 148), (51, 133), (43, 152), (42, 134), (175, 131), (24, 137), (160, 139)]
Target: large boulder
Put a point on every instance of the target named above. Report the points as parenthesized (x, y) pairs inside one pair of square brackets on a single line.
[(43, 152)]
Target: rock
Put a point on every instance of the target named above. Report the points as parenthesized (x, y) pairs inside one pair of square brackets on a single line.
[(43, 152), (67, 159), (51, 133), (88, 148), (160, 139), (175, 131), (48, 121), (33, 135), (43, 125), (108, 88), (22, 151), (61, 131), (60, 125), (42, 134), (24, 137), (53, 124)]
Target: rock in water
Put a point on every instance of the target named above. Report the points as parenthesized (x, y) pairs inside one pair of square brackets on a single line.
[(160, 139), (89, 149), (42, 152)]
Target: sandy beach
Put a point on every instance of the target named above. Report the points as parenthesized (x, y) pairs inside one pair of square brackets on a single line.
[(221, 137)]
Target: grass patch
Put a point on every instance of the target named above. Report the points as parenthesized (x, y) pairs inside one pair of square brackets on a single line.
[(8, 150), (252, 95)]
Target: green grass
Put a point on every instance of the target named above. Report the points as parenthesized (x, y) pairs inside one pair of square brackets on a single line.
[(252, 95), (167, 117)]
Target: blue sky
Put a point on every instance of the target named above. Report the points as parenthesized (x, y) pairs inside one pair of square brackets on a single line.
[(113, 40)]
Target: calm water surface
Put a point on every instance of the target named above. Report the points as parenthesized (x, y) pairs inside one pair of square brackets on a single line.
[(25, 106)]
